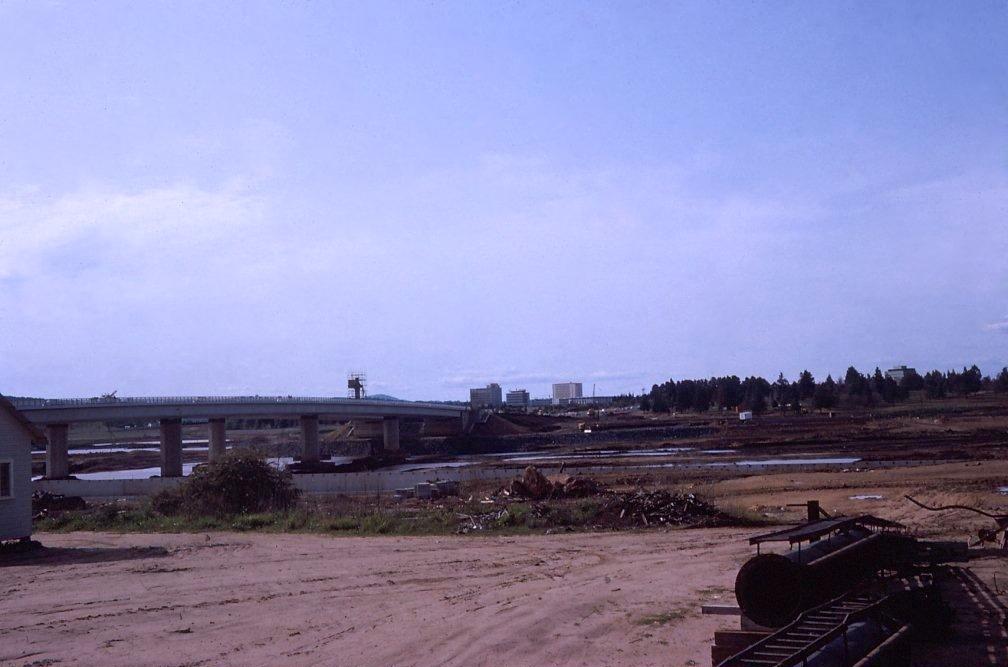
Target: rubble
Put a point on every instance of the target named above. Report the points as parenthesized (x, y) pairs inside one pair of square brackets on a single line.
[(44, 504), (577, 486), (533, 484), (429, 490), (524, 502), (536, 486), (488, 520), (655, 508), (632, 509)]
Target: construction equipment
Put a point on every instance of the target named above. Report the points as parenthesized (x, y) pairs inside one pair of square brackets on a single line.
[(772, 589), (847, 594), (984, 534), (355, 384), (860, 628)]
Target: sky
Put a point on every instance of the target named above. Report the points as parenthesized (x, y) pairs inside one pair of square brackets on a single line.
[(255, 198)]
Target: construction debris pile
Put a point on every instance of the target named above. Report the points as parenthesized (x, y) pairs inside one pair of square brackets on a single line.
[(607, 509), (661, 508), (45, 504), (534, 485), (429, 490), (499, 517)]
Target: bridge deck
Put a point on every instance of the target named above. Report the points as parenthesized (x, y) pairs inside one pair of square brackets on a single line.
[(56, 411)]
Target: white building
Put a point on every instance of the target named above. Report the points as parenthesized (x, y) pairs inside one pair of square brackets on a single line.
[(564, 391), (16, 437)]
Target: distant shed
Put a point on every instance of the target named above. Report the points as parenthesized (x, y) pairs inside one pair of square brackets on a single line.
[(16, 437)]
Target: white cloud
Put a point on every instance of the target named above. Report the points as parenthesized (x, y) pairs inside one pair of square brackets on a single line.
[(1001, 326), (118, 231), (515, 271)]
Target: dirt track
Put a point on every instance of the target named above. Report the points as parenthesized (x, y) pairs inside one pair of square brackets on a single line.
[(580, 599), (572, 599)]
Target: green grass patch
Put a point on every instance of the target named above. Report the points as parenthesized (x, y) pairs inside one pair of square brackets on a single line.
[(360, 517)]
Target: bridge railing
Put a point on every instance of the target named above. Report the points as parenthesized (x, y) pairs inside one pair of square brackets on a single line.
[(37, 403)]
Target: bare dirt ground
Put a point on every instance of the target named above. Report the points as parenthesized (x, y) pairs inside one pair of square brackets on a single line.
[(627, 598), (574, 599), (630, 598), (880, 492)]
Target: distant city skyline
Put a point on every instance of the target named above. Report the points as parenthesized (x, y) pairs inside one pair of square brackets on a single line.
[(257, 198)]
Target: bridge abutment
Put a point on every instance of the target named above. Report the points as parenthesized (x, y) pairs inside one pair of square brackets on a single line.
[(218, 439), (390, 433), (309, 438), (171, 447), (57, 458)]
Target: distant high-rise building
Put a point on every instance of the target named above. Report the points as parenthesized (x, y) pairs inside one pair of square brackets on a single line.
[(900, 372), (486, 397), (519, 398), (564, 391)]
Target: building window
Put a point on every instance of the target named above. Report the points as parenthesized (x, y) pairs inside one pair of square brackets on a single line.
[(6, 479)]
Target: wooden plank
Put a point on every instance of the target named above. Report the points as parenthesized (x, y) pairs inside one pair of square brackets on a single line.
[(721, 609)]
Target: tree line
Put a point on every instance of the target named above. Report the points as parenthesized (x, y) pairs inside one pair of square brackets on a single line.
[(853, 390)]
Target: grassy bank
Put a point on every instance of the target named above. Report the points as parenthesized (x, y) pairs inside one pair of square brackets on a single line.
[(243, 492), (340, 517), (348, 516)]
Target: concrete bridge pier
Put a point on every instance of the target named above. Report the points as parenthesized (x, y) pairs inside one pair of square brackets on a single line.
[(390, 433), (218, 439), (57, 459), (171, 447), (309, 438)]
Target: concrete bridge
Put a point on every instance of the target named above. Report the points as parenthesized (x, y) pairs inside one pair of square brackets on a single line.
[(57, 414)]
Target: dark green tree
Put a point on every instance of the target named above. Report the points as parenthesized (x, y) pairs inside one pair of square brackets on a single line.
[(912, 381), (972, 380), (935, 385), (825, 394), (806, 385), (854, 382), (1001, 382)]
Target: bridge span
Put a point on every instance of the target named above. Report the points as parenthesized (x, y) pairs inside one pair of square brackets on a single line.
[(57, 414)]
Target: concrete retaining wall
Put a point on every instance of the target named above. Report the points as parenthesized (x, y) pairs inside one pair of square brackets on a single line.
[(370, 483), (106, 487)]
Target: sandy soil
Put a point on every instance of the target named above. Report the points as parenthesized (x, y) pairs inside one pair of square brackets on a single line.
[(973, 483), (574, 599)]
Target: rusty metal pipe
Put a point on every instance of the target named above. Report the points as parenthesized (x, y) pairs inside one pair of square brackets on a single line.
[(773, 589)]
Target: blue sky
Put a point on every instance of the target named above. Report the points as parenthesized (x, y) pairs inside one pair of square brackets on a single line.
[(203, 198)]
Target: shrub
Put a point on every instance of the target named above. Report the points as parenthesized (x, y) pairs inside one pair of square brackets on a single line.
[(241, 482)]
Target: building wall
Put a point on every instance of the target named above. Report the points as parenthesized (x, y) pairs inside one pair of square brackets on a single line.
[(566, 390), (376, 482), (489, 396), (589, 400), (15, 446), (518, 398)]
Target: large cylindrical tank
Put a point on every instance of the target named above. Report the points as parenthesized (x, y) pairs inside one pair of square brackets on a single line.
[(773, 589)]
